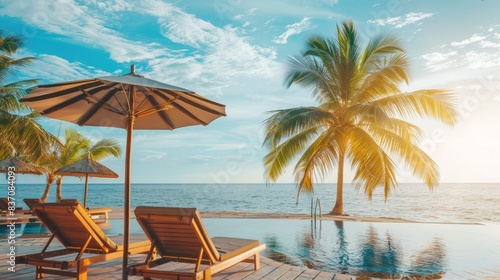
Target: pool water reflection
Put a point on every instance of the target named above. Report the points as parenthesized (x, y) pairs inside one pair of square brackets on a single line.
[(383, 250)]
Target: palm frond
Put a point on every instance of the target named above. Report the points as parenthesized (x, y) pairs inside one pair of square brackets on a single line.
[(105, 148), (280, 156), (433, 103), (288, 122), (373, 166), (317, 160), (379, 46), (10, 44), (384, 80), (26, 136), (420, 164)]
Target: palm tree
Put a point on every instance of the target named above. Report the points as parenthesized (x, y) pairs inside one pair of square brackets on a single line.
[(76, 147), (359, 118), (21, 134)]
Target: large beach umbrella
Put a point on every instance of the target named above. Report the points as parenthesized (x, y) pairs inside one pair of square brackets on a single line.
[(129, 101), (20, 167), (88, 168)]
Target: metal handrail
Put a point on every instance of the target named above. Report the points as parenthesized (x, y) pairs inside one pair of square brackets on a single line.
[(318, 203), (315, 207), (312, 207)]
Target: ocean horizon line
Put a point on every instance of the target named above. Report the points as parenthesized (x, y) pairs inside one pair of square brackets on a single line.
[(243, 183)]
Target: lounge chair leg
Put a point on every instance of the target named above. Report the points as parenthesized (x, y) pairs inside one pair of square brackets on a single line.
[(198, 262), (39, 272), (207, 274), (81, 271), (256, 261)]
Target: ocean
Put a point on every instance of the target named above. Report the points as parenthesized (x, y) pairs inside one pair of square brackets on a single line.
[(447, 203)]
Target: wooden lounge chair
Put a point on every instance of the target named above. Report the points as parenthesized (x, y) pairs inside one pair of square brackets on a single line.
[(94, 213), (30, 202), (178, 235), (4, 204), (85, 243)]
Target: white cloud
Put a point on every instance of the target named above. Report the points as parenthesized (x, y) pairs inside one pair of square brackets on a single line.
[(111, 5), (293, 29), (474, 38), (269, 21), (439, 61), (401, 21), (149, 154), (82, 24), (219, 54), (466, 53), (438, 57), (250, 12), (211, 57), (479, 60), (472, 60), (489, 44), (52, 68)]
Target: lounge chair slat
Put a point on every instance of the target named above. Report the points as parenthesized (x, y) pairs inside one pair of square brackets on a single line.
[(70, 223), (179, 234)]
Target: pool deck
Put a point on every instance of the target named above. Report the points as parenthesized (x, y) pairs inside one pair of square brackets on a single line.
[(269, 269), (112, 269)]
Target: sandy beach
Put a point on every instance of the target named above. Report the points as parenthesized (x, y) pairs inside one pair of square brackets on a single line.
[(117, 213)]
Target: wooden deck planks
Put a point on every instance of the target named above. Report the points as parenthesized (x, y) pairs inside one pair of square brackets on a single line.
[(270, 269)]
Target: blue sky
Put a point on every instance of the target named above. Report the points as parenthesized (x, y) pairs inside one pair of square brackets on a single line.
[(232, 51)]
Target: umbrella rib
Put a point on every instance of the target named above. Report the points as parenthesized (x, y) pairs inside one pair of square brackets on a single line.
[(179, 107), (119, 103), (144, 100), (199, 97), (75, 99), (161, 112), (100, 103), (61, 92), (190, 102)]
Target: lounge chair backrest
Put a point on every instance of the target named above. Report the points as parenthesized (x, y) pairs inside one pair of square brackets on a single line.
[(4, 203), (30, 202), (71, 224), (74, 200), (176, 232)]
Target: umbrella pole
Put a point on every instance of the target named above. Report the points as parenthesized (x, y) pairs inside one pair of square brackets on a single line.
[(85, 193), (126, 218)]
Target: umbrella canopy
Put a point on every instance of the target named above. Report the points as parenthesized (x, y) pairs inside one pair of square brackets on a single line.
[(110, 101), (129, 101), (88, 168), (20, 166)]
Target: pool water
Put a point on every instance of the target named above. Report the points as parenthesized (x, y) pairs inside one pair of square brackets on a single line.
[(385, 250)]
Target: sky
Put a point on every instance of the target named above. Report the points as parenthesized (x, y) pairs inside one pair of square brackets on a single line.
[(234, 52)]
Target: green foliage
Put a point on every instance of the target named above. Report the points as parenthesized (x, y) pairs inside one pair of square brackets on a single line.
[(21, 134), (76, 147)]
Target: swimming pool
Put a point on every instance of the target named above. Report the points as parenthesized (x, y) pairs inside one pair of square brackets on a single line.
[(385, 250)]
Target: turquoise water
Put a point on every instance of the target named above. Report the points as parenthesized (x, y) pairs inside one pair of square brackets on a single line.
[(360, 248), (386, 250), (463, 203)]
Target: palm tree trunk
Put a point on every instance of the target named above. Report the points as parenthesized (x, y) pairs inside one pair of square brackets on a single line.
[(59, 189), (338, 209), (50, 180)]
